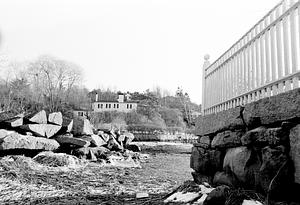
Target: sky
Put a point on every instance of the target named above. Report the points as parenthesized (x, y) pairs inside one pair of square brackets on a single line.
[(128, 45)]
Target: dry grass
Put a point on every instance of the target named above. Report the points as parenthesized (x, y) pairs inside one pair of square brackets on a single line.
[(24, 181)]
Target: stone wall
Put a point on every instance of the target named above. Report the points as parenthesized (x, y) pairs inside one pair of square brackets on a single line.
[(254, 147)]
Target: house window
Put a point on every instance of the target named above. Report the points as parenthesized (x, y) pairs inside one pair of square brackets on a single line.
[(114, 105), (127, 106), (130, 106), (117, 105), (80, 113), (109, 105), (101, 106), (98, 105), (106, 105)]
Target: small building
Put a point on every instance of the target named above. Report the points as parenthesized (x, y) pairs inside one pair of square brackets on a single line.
[(195, 114), (122, 104), (81, 113)]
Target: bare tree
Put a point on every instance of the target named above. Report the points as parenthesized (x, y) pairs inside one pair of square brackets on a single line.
[(52, 79)]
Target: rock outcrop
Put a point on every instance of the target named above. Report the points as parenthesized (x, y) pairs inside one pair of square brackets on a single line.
[(39, 132), (15, 140)]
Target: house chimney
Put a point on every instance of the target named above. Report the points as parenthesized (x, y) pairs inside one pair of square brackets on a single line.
[(121, 98)]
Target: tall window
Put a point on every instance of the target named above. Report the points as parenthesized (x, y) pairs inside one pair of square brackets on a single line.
[(130, 106), (101, 106), (109, 105), (118, 106), (106, 105)]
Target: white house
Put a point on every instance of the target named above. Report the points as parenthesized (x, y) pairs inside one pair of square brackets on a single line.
[(122, 104)]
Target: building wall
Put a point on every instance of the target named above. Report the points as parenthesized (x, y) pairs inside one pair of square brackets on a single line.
[(114, 106), (80, 113)]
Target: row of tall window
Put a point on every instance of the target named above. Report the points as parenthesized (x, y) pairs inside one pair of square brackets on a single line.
[(110, 105)]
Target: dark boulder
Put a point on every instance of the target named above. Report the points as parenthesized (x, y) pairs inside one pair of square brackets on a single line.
[(217, 196), (227, 139), (275, 174)]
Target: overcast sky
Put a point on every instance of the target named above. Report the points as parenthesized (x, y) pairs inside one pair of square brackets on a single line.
[(128, 45)]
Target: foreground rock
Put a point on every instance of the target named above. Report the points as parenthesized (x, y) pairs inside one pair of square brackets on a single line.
[(236, 160), (275, 174), (4, 133), (39, 117), (56, 159), (70, 140), (217, 196), (55, 118), (205, 161), (12, 123), (227, 139), (42, 130), (18, 141), (97, 141)]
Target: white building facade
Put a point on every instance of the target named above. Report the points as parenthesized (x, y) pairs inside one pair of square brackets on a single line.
[(123, 104)]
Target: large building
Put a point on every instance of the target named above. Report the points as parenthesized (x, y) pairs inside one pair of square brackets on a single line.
[(122, 104)]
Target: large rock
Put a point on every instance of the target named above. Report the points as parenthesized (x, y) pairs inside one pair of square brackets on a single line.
[(217, 196), (227, 139), (18, 141), (70, 140), (263, 136), (278, 108), (42, 130), (216, 161), (55, 118), (223, 178), (4, 133), (51, 159), (295, 150), (205, 161), (276, 168), (39, 117), (82, 127), (51, 130), (226, 120), (266, 111), (12, 123), (97, 141), (237, 159), (200, 160)]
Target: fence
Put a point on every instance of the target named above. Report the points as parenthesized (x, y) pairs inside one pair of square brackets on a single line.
[(263, 63)]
